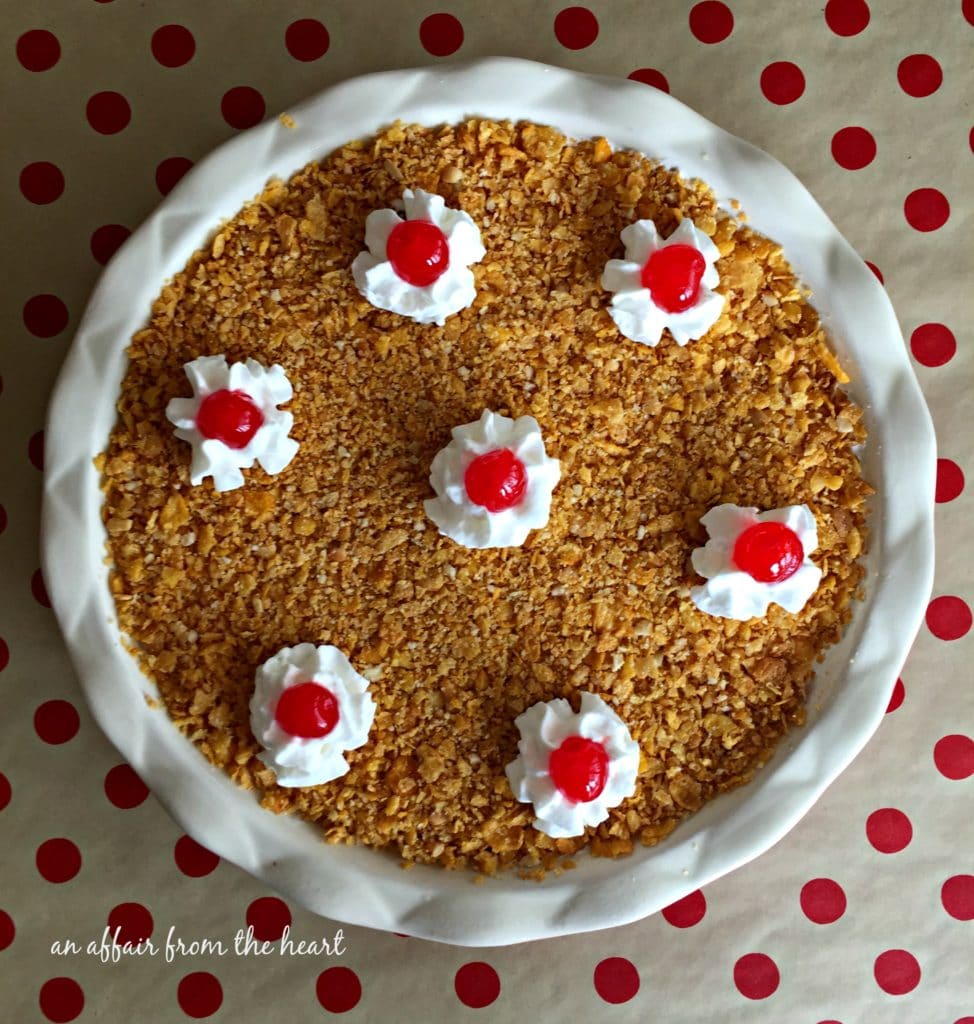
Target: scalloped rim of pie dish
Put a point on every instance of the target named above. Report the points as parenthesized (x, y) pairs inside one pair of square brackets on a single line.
[(851, 687)]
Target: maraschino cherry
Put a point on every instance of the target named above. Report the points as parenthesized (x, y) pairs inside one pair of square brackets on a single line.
[(229, 416), (768, 552), (579, 768), (418, 251), (496, 480), (308, 710), (673, 274)]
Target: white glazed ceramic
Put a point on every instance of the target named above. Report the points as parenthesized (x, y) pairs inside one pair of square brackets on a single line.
[(851, 688)]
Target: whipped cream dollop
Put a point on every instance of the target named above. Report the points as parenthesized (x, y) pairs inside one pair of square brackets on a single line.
[(446, 257), (239, 402), (523, 482), (301, 760), (732, 593), (633, 307), (536, 773)]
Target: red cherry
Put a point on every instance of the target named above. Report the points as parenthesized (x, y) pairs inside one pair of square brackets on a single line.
[(308, 710), (418, 252), (229, 416), (497, 480), (768, 552), (579, 768), (672, 275)]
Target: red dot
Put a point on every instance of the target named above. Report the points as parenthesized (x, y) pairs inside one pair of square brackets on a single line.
[(56, 721), (38, 589), (782, 82), (7, 929), (853, 148), (338, 989), (58, 860), (967, 7), (650, 76), (242, 107), (199, 994), (616, 979), (173, 46), (926, 209), (847, 17), (970, 139), (476, 984), (45, 316), (822, 900), (576, 28), (948, 618), (897, 972), (687, 912), (192, 859), (124, 788), (919, 75), (35, 450), (4, 654), (954, 756), (3, 519), (441, 34), (889, 830), (711, 21), (308, 39), (61, 999), (896, 697), (5, 791), (108, 112), (170, 171), (950, 480), (876, 271), (756, 976), (129, 924), (41, 182), (957, 896), (268, 916), (38, 50), (933, 344), (106, 240)]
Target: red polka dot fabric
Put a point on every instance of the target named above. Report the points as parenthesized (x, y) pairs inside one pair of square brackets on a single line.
[(865, 911), (173, 45), (130, 924)]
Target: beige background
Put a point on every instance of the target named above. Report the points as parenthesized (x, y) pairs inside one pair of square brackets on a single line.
[(686, 974)]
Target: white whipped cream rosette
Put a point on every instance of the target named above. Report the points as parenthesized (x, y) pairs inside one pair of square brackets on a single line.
[(269, 445), (732, 593), (471, 524), (544, 728), (453, 290), (633, 308), (302, 760)]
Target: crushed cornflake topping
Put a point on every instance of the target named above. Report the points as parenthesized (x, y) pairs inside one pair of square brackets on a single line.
[(653, 437)]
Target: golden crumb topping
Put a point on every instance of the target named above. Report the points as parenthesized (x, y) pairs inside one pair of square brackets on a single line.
[(336, 549)]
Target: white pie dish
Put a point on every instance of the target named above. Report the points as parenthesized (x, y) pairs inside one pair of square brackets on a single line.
[(851, 687)]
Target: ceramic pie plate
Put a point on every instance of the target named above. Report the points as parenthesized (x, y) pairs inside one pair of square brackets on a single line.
[(851, 688)]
